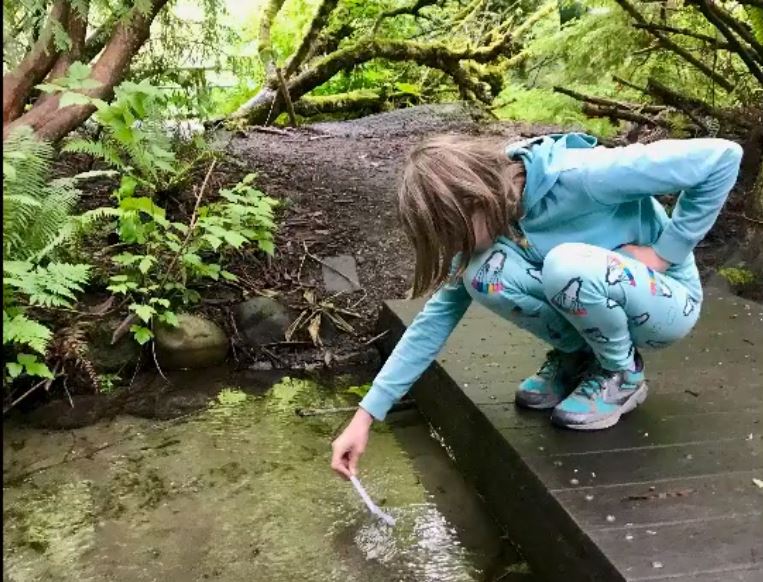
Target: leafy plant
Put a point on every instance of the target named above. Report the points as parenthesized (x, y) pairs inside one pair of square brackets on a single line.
[(168, 258), (133, 138)]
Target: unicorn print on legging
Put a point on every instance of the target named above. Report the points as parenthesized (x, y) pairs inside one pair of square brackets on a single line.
[(617, 272), (488, 277), (568, 299)]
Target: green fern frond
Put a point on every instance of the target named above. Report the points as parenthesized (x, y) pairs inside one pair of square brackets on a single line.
[(21, 330), (100, 150), (51, 286)]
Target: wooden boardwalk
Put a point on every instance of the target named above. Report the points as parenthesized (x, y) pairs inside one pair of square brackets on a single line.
[(667, 494)]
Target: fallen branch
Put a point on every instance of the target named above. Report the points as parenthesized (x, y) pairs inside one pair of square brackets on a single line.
[(593, 110), (308, 43), (692, 106), (636, 107)]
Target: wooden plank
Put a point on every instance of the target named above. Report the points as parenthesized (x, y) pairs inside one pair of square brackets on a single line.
[(685, 548), (652, 505), (646, 465), (642, 430), (746, 573)]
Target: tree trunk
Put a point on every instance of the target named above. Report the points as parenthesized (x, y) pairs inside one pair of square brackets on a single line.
[(52, 123), (34, 67)]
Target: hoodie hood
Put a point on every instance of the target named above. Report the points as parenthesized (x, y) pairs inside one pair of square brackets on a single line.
[(541, 156)]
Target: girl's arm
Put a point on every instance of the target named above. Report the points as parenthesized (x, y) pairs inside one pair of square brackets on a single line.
[(417, 348), (702, 170)]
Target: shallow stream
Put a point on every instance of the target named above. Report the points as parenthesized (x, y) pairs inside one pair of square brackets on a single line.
[(241, 491)]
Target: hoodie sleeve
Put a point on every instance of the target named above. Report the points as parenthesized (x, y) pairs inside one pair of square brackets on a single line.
[(418, 347), (702, 170)]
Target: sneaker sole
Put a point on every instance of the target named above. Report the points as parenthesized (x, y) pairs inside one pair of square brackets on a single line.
[(635, 399), (540, 406)]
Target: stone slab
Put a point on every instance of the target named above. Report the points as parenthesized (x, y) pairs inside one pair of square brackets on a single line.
[(340, 274)]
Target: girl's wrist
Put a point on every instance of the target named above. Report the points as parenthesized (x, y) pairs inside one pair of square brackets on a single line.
[(363, 417)]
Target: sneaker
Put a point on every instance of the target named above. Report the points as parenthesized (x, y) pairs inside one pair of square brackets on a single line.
[(602, 398), (555, 379)]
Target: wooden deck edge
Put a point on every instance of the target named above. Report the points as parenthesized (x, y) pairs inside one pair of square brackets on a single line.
[(553, 544)]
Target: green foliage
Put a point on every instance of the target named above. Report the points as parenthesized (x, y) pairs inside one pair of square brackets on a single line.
[(167, 258), (544, 106), (133, 139), (37, 221)]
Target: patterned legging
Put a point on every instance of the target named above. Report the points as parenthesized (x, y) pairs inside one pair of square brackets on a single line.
[(584, 294)]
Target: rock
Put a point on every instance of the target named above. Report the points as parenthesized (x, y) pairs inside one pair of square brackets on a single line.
[(195, 343), (262, 320), (340, 274), (59, 414), (110, 359)]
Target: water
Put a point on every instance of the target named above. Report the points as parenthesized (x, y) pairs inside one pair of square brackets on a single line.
[(241, 491)]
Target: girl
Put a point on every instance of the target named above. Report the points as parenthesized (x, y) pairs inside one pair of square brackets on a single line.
[(566, 240)]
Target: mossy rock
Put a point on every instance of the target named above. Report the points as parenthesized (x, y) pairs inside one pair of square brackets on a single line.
[(195, 343)]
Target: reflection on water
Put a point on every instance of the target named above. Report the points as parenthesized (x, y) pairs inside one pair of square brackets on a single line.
[(239, 491)]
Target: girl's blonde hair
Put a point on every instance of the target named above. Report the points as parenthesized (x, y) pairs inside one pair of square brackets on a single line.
[(445, 181)]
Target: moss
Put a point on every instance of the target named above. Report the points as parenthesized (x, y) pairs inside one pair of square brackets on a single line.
[(738, 277)]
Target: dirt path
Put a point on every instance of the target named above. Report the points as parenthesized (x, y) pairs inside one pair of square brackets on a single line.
[(339, 180)]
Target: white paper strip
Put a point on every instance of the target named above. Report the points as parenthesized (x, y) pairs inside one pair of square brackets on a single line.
[(372, 507)]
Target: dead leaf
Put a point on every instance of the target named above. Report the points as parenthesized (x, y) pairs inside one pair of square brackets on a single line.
[(314, 329), (103, 307)]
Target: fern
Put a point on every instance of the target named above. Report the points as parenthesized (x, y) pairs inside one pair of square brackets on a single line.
[(53, 285), (21, 330), (37, 222), (99, 150), (35, 209)]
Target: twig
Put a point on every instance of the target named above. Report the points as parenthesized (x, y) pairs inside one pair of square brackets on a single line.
[(376, 337), (68, 395), (685, 32), (628, 84), (42, 383), (744, 216), (397, 407), (236, 334), (264, 129), (156, 363), (273, 356), (191, 224)]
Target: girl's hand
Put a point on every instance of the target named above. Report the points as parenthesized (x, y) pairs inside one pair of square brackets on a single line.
[(350, 445), (648, 256)]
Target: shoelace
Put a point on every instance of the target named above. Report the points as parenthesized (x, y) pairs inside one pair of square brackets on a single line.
[(592, 385), (550, 366)]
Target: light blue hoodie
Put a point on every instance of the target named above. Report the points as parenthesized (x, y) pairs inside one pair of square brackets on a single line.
[(578, 192)]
